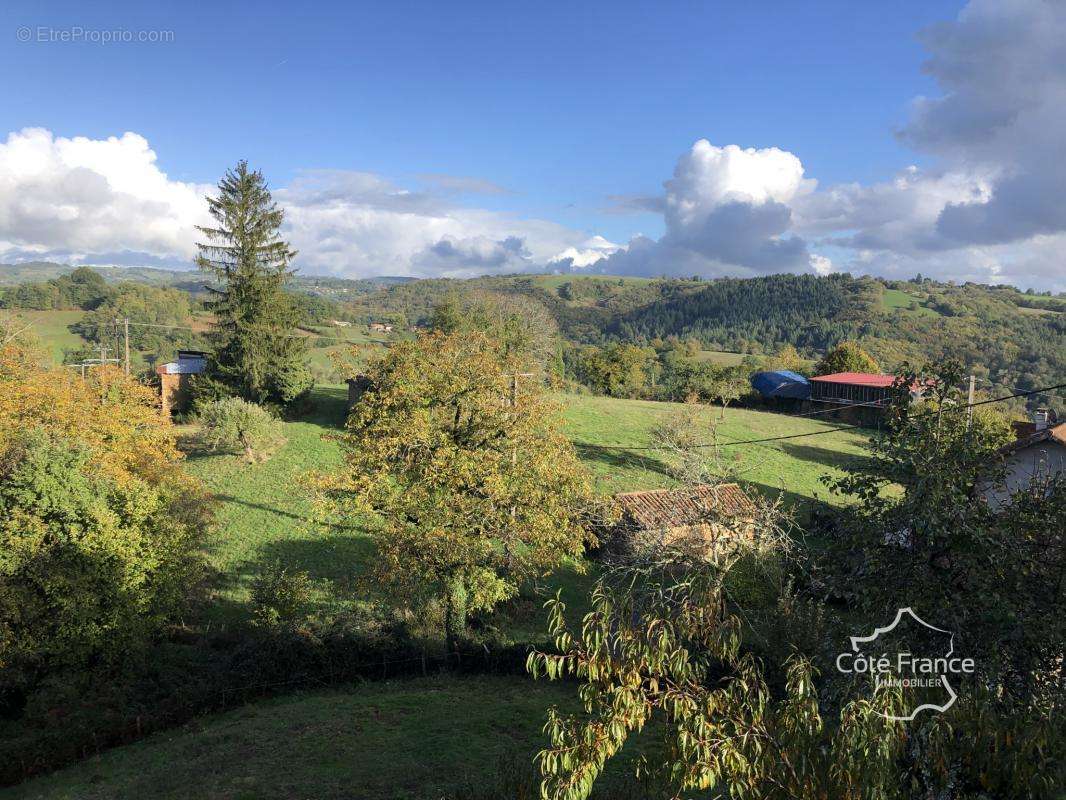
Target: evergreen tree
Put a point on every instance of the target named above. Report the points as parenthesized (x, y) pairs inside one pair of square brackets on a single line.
[(256, 356)]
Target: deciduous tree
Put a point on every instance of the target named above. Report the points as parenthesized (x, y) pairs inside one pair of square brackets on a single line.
[(846, 357), (469, 486)]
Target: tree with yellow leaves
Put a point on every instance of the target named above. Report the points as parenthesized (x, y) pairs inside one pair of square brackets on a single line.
[(99, 525), (469, 488)]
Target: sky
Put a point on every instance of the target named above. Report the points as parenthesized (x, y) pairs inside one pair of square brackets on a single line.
[(457, 139)]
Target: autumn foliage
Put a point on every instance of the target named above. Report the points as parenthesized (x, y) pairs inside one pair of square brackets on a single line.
[(99, 525)]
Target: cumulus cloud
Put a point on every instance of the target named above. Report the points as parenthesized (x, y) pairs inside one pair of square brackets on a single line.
[(988, 207), (589, 252), (107, 201), (992, 201), (726, 211), (63, 198)]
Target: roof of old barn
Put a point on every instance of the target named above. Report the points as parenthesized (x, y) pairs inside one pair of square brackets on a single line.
[(666, 508)]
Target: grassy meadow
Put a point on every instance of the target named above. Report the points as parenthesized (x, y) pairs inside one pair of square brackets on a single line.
[(395, 740), (52, 328), (898, 300), (265, 515)]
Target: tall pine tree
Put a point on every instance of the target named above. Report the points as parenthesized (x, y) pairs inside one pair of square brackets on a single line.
[(256, 355)]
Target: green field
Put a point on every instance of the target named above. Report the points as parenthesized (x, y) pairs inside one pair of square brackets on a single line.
[(722, 358), (52, 329), (419, 739), (794, 466), (898, 300), (265, 514)]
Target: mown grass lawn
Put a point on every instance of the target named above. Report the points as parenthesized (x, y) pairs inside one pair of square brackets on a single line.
[(420, 739), (265, 512), (794, 466)]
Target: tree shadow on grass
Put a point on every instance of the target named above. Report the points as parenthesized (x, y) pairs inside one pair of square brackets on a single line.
[(329, 407), (621, 459), (826, 456), (330, 556), (228, 498)]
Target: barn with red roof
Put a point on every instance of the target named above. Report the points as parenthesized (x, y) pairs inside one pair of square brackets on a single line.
[(852, 389)]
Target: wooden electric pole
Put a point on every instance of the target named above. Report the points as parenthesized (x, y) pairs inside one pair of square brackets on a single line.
[(126, 334), (969, 404), (126, 337)]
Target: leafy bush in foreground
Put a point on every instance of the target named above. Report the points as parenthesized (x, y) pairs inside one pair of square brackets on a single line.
[(99, 527), (233, 425)]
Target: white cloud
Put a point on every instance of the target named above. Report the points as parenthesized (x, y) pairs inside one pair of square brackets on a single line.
[(991, 207), (708, 177), (107, 201), (727, 212), (82, 196), (585, 255), (356, 224)]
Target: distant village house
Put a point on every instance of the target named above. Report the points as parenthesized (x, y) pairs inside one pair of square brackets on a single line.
[(1039, 451), (381, 327)]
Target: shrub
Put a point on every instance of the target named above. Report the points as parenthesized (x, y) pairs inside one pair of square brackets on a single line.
[(99, 526), (232, 425), (88, 565), (281, 595)]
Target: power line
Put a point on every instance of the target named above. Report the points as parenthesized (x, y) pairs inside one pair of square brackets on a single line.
[(280, 335)]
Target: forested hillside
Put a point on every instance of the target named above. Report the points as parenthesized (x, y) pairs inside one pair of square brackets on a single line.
[(1008, 339)]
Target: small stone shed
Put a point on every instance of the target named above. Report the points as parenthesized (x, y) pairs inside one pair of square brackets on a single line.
[(174, 379), (707, 516)]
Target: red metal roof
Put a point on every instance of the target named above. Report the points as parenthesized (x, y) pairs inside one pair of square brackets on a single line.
[(858, 379)]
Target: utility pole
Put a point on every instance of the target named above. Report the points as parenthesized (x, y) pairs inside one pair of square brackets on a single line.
[(126, 334), (969, 404), (514, 450)]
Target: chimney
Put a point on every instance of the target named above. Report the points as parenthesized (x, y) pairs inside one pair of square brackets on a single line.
[(1041, 418)]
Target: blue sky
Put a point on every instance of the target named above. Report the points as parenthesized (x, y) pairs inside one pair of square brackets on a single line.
[(563, 107)]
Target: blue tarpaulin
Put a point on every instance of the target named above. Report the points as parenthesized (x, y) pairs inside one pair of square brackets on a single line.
[(781, 383)]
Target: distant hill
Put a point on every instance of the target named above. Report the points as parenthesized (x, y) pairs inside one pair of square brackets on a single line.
[(1007, 338), (189, 280)]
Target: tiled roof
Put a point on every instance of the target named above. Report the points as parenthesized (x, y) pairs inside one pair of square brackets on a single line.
[(663, 508), (1055, 433), (858, 379)]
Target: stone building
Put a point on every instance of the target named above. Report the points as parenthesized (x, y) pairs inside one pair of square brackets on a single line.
[(706, 516)]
